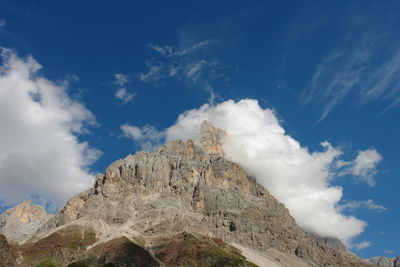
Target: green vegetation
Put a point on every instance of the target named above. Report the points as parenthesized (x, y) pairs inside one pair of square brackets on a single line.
[(85, 264), (72, 240), (181, 250), (73, 246), (120, 252), (48, 264), (81, 263), (75, 238), (190, 250), (210, 255)]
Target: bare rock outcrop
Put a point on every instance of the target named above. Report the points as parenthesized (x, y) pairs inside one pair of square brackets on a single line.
[(8, 253), (385, 261), (22, 221)]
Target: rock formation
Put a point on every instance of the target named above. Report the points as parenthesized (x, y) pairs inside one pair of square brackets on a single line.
[(22, 221), (8, 254), (184, 205), (386, 262)]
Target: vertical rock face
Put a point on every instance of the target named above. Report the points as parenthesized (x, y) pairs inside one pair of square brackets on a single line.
[(211, 139), (397, 262), (20, 222)]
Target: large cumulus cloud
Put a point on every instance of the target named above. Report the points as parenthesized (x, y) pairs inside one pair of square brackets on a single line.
[(294, 175), (299, 178), (41, 156)]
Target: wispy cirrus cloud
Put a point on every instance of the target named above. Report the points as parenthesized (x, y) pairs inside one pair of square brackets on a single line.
[(187, 63), (121, 79), (388, 251), (169, 51), (155, 73), (192, 63), (369, 204), (122, 93), (363, 245), (365, 64)]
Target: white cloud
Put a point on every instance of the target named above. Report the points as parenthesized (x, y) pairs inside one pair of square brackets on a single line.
[(359, 66), (294, 175), (121, 79), (194, 69), (299, 178), (363, 167), (388, 251), (187, 50), (369, 204), (2, 22), (123, 95), (154, 74), (122, 92), (193, 63), (365, 164), (40, 153), (148, 137), (173, 71), (363, 245), (168, 51)]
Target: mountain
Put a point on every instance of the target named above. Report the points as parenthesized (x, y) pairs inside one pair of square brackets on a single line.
[(183, 205), (22, 221), (386, 262)]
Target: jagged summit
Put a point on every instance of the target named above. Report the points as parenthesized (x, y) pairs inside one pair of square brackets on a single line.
[(184, 195), (23, 220), (385, 262), (211, 139)]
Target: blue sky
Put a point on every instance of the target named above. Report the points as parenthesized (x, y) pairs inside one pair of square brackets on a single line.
[(329, 69)]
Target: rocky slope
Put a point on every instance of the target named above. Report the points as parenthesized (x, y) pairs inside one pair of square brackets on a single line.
[(184, 205), (386, 262), (22, 221)]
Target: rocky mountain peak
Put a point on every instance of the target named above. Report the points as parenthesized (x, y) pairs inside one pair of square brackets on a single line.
[(183, 199), (22, 221), (26, 212), (385, 262), (209, 143), (211, 139)]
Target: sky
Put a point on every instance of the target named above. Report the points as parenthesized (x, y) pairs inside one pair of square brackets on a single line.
[(308, 92)]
